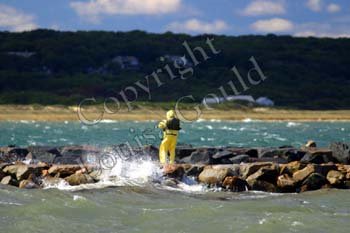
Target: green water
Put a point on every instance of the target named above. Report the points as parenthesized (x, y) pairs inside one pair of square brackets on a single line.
[(136, 204), (150, 209)]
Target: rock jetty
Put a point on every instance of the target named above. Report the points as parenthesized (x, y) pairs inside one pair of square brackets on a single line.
[(273, 169)]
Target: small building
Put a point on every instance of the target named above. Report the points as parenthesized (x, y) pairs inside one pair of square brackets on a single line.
[(213, 100), (246, 98), (264, 101), (127, 62), (181, 61), (24, 54)]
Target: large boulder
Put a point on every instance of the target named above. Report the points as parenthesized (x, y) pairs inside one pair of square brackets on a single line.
[(2, 174), (235, 184), (22, 171), (240, 159), (261, 185), (28, 183), (193, 170), (78, 179), (285, 183), (174, 171), (322, 169), (183, 151), (251, 152), (341, 152), (222, 157), (44, 153), (291, 167), (152, 152), (273, 152), (213, 176), (335, 178), (12, 154), (250, 168), (9, 180), (313, 182), (268, 174), (64, 170), (318, 156), (301, 175), (200, 156), (294, 155), (76, 154)]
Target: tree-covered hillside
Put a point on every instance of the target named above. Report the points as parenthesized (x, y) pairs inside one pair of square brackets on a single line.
[(51, 67)]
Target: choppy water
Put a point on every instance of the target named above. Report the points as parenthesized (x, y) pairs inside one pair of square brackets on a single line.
[(129, 199), (209, 133)]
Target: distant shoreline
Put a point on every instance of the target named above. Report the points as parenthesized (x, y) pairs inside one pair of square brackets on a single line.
[(64, 113)]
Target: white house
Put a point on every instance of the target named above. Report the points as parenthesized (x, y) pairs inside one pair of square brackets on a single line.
[(213, 100), (264, 101), (247, 98)]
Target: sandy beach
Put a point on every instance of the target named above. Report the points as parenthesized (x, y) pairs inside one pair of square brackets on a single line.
[(91, 113)]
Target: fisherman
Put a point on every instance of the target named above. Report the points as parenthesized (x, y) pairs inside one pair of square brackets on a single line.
[(170, 127)]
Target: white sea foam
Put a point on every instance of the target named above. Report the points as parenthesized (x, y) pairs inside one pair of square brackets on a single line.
[(108, 121), (292, 124), (77, 198), (209, 127)]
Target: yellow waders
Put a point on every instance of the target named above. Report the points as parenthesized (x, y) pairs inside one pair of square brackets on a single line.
[(168, 145)]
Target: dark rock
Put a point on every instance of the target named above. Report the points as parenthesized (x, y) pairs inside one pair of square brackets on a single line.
[(318, 157), (152, 152), (200, 156), (43, 153), (240, 159), (313, 182), (183, 151), (252, 152), (9, 180), (193, 170), (222, 157), (279, 160), (285, 183), (78, 179), (268, 174), (235, 184), (294, 155), (335, 177), (341, 152), (2, 174), (174, 171), (28, 183), (272, 152), (12, 154), (76, 154), (323, 169), (347, 184), (260, 185)]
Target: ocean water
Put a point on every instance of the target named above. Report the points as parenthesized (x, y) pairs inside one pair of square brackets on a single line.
[(131, 197), (199, 133)]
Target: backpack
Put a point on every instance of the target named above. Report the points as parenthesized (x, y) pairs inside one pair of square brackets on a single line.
[(173, 124)]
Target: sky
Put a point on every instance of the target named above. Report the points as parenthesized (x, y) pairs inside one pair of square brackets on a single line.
[(319, 18)]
